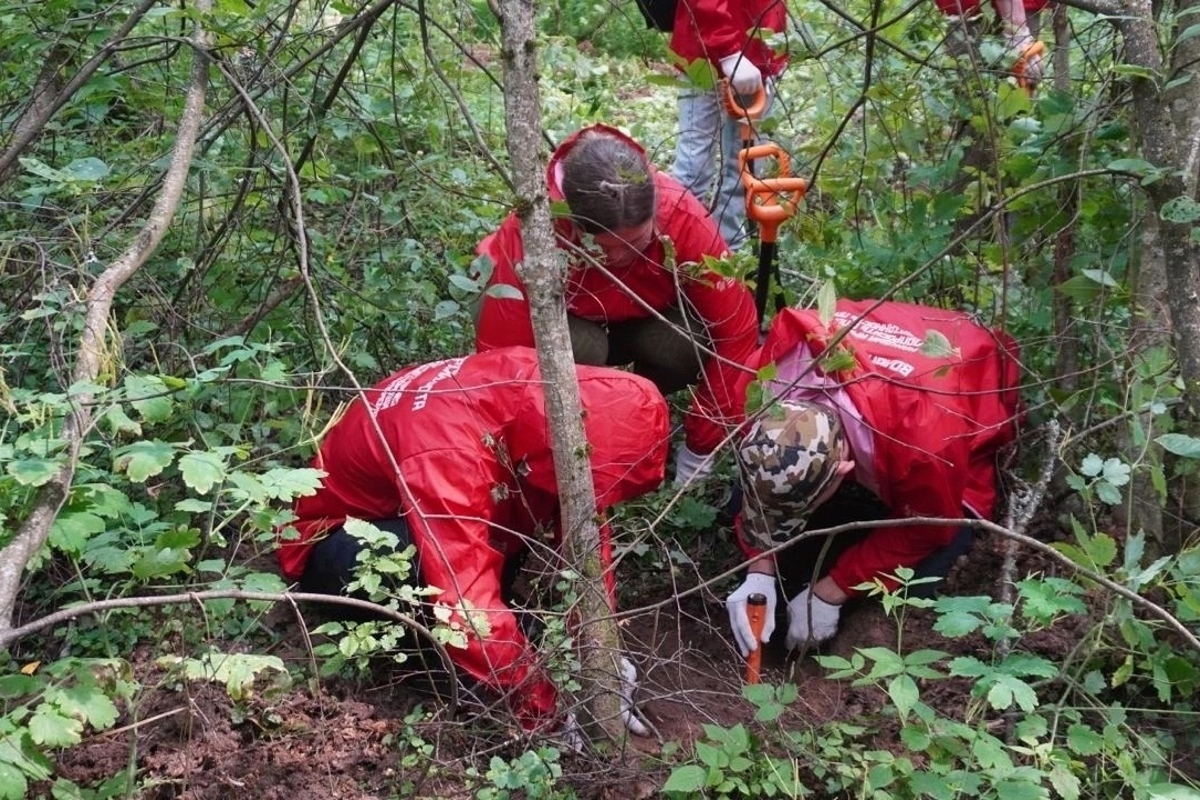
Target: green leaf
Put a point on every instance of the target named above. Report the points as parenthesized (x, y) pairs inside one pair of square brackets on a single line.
[(12, 782), (202, 471), (936, 345), (72, 529), (904, 693), (150, 397), (86, 170), (49, 728), (1182, 210), (143, 460), (86, 700), (1180, 444), (1084, 741), (826, 302), (32, 471), (1171, 791), (287, 484), (685, 780)]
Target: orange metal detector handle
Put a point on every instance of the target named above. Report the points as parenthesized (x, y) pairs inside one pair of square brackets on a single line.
[(1018, 70), (770, 201), (735, 107), (756, 612)]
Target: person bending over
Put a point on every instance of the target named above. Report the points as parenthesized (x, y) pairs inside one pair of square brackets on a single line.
[(640, 289), (455, 458), (901, 418)]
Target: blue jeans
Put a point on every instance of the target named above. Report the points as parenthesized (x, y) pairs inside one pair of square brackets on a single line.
[(707, 143)]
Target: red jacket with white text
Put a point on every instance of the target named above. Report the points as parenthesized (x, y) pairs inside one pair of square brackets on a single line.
[(725, 304), (461, 449), (930, 411)]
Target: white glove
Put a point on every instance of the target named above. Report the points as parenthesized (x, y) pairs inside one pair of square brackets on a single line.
[(629, 713), (744, 77), (571, 734), (824, 619), (735, 604), (1017, 42), (690, 466)]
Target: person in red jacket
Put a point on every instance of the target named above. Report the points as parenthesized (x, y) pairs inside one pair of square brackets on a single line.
[(1016, 19), (912, 407), (640, 289), (744, 43), (455, 458)]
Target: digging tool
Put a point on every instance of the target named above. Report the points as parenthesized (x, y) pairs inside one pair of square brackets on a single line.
[(756, 612), (769, 201)]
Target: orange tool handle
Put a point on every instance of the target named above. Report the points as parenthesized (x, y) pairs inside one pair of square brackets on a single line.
[(735, 107), (1035, 49), (770, 201), (756, 612)]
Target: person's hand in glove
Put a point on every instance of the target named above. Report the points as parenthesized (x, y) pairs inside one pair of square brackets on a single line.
[(690, 466), (629, 712), (1018, 41), (744, 77), (810, 619), (735, 604)]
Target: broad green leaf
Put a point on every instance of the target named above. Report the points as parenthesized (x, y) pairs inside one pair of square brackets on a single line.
[(504, 291), (826, 302), (87, 169), (12, 782), (143, 460), (33, 471), (1171, 791), (86, 700), (49, 728), (202, 471), (1182, 210), (1180, 444), (150, 397), (936, 345), (904, 693), (1083, 740), (687, 779), (286, 484), (72, 529)]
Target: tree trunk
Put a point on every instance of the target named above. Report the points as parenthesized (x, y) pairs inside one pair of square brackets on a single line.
[(543, 273)]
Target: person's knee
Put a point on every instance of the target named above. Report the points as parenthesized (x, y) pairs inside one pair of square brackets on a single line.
[(589, 341)]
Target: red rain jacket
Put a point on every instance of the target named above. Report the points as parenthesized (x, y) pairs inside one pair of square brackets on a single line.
[(473, 476), (713, 29), (969, 8), (726, 304), (936, 422)]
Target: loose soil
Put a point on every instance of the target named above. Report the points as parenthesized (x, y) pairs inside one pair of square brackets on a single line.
[(349, 739)]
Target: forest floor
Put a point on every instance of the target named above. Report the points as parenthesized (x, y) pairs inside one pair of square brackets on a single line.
[(356, 739)]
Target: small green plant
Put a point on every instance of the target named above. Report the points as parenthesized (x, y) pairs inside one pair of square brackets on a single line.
[(533, 775), (733, 764)]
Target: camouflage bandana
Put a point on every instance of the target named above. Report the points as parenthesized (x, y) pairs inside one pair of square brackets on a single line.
[(787, 459)]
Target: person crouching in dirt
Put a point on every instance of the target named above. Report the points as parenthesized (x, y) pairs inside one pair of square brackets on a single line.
[(639, 288), (455, 458), (901, 418)]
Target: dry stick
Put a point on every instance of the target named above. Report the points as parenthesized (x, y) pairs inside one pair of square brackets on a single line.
[(13, 634)]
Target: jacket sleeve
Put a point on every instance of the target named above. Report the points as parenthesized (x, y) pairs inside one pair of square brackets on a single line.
[(727, 308), (454, 547), (504, 321)]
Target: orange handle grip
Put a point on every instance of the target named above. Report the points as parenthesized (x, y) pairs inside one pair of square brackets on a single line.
[(756, 612), (1035, 49), (735, 107)]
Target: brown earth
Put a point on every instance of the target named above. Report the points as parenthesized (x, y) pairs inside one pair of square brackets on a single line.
[(343, 738)]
